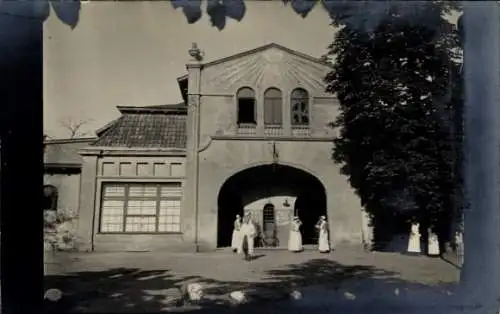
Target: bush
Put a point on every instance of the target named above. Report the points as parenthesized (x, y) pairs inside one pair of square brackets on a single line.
[(59, 229)]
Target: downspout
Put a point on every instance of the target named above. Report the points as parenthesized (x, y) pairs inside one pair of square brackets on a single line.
[(196, 164)]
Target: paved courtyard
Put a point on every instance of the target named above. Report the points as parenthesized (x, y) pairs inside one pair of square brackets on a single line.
[(124, 282)]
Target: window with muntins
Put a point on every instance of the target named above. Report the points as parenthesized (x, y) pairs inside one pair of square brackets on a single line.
[(141, 208), (273, 113), (49, 197), (246, 106), (268, 213), (299, 107)]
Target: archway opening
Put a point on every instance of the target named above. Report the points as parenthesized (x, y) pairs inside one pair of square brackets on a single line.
[(272, 194)]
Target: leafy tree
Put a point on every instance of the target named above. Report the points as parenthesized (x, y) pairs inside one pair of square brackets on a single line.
[(393, 82)]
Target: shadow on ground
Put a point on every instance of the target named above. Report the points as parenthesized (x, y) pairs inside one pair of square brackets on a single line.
[(122, 290)]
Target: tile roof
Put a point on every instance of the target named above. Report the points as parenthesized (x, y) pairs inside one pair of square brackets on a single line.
[(65, 151), (147, 127)]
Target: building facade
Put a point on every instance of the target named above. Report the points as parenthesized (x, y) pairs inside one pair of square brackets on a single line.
[(252, 135)]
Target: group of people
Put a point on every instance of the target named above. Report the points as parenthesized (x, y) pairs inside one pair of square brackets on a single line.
[(244, 234)]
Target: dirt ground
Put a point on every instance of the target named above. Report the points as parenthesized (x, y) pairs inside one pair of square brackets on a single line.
[(125, 282)]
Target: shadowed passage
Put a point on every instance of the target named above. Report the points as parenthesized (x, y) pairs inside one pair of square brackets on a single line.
[(272, 194)]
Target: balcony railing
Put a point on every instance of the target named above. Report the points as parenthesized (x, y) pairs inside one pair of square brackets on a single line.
[(246, 129), (301, 130), (273, 130), (250, 129)]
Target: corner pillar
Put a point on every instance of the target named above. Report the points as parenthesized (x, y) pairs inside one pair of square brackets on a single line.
[(86, 211), (190, 213)]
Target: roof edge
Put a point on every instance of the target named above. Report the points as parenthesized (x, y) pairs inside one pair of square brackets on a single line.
[(106, 127), (173, 109), (62, 165), (132, 151), (264, 47), (70, 140)]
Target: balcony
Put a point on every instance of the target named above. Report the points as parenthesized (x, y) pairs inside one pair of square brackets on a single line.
[(270, 130), (301, 130), (246, 129), (273, 130)]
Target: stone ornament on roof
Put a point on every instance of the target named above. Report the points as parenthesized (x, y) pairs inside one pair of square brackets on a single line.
[(196, 53)]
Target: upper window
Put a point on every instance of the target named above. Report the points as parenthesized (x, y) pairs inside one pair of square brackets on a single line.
[(49, 197), (273, 113), (246, 106), (141, 208), (300, 107)]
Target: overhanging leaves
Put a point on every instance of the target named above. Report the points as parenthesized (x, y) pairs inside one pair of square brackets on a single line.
[(393, 80), (68, 12)]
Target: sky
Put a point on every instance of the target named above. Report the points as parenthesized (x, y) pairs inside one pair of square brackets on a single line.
[(130, 53)]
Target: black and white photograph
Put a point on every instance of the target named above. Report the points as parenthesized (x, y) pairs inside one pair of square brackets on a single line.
[(241, 156)]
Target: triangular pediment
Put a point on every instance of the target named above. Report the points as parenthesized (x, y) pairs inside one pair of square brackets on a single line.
[(270, 65)]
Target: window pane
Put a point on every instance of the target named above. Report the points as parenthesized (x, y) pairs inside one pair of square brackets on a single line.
[(272, 111), (268, 111), (169, 220), (112, 207), (170, 207), (112, 216), (171, 190), (114, 190), (140, 224), (272, 93), (49, 191), (246, 111), (142, 191), (142, 207), (272, 106), (303, 107), (277, 113), (299, 93), (246, 92), (300, 112)]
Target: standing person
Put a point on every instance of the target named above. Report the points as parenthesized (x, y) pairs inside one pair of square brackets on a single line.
[(236, 239), (317, 226), (459, 247), (247, 234), (295, 238), (414, 240), (323, 245)]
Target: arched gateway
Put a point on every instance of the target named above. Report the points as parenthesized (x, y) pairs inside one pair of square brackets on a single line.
[(273, 194)]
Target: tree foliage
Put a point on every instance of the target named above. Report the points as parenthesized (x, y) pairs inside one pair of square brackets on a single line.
[(396, 137)]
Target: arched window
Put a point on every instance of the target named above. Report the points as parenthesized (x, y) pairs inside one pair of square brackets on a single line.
[(300, 107), (272, 107), (49, 197), (246, 106)]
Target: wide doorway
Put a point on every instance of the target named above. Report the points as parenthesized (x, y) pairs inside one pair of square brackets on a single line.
[(272, 195)]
